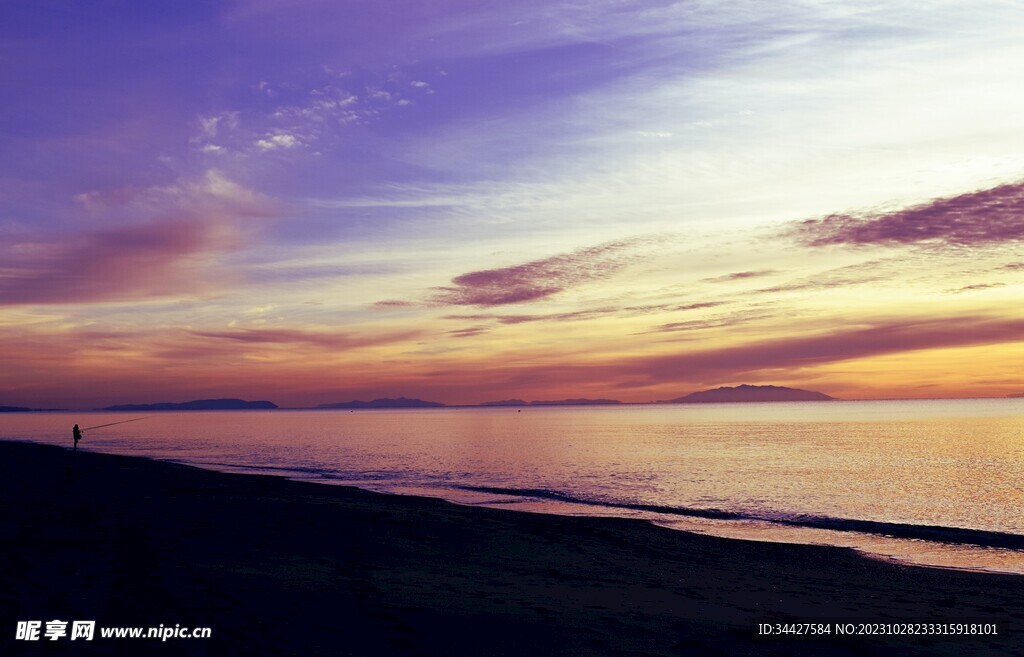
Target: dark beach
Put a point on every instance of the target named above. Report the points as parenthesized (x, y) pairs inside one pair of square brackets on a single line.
[(276, 567)]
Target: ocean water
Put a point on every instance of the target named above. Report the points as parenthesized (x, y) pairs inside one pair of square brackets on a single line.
[(936, 482)]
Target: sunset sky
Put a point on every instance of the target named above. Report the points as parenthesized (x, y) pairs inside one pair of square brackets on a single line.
[(462, 201)]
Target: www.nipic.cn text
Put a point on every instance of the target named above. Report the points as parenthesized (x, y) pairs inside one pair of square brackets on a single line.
[(56, 630)]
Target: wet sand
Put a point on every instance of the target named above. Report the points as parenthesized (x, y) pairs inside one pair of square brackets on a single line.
[(276, 567)]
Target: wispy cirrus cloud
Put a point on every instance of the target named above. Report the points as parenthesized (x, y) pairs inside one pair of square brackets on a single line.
[(314, 272), (975, 287), (395, 303), (590, 313), (212, 347), (548, 317), (293, 337), (980, 218), (314, 114), (780, 358), (468, 332), (699, 305), (739, 276), (797, 352), (718, 321), (846, 276), (211, 195), (540, 278)]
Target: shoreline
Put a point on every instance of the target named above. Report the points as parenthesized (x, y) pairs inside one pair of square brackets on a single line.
[(938, 535), (930, 534), (933, 533), (278, 566)]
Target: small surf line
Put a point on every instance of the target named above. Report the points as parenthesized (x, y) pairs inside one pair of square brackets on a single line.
[(934, 533)]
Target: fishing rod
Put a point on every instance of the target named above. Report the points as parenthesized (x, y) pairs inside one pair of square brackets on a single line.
[(100, 426)]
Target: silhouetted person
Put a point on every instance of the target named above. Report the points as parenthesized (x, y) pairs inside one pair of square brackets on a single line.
[(77, 433)]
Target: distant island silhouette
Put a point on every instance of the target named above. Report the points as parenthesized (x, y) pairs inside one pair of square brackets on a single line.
[(195, 405), (725, 394), (554, 402), (401, 402), (25, 409), (404, 402), (749, 393), (576, 402)]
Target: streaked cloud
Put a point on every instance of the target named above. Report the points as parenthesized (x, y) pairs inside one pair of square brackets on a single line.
[(590, 313), (322, 339), (984, 217), (395, 303), (740, 276), (975, 287), (116, 264), (860, 273), (800, 351), (548, 317), (724, 321), (160, 241), (468, 332), (540, 278)]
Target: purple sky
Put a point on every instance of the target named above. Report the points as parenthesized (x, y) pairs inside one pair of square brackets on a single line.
[(311, 201)]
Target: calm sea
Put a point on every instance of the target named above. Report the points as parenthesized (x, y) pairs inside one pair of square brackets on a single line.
[(938, 482)]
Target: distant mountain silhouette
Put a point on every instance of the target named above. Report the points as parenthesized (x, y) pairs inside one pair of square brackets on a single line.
[(748, 393), (576, 402), (506, 402), (14, 409), (196, 405), (1016, 395), (401, 402)]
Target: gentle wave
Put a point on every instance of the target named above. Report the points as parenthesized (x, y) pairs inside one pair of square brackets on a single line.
[(291, 471), (935, 533)]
